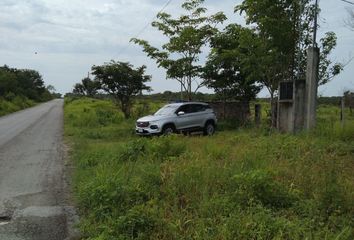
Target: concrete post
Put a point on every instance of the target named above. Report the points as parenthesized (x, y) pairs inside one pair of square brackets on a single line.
[(257, 114), (299, 105), (342, 108), (311, 87)]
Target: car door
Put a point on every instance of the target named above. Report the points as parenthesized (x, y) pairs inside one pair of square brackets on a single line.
[(184, 121), (198, 114)]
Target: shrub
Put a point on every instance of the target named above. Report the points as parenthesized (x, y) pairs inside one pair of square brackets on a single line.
[(14, 103), (166, 147), (258, 222), (106, 116), (133, 150), (108, 196), (138, 223), (259, 186)]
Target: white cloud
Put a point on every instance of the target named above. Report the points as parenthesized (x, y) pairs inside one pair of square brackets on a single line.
[(71, 36)]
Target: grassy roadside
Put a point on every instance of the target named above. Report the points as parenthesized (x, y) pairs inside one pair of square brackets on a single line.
[(16, 104), (239, 184)]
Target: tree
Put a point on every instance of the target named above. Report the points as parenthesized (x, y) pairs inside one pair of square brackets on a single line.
[(285, 28), (87, 87), (187, 35), (122, 82), (8, 81), (23, 82), (327, 69), (226, 70), (51, 88)]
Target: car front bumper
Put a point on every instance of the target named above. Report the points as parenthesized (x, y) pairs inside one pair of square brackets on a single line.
[(147, 131)]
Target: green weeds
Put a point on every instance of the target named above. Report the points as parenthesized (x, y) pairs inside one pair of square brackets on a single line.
[(239, 184), (14, 104)]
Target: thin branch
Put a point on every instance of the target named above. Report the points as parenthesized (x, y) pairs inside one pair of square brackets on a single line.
[(346, 1), (343, 65)]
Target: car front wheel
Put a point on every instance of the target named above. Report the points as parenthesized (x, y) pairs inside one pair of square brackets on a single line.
[(209, 129), (168, 130)]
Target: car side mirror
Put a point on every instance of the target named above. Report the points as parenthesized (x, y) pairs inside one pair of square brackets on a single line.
[(181, 113)]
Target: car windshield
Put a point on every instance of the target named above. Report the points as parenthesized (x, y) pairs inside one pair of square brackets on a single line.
[(166, 110)]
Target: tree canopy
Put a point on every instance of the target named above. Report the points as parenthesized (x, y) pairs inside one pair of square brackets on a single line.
[(227, 70), (87, 87), (23, 82), (122, 82), (187, 35), (285, 30)]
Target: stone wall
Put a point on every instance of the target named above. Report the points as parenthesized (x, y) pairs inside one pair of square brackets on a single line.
[(239, 111)]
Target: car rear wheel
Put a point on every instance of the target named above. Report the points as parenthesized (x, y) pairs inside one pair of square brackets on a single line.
[(209, 129), (168, 130)]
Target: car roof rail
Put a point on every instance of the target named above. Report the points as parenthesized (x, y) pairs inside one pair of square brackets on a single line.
[(178, 101)]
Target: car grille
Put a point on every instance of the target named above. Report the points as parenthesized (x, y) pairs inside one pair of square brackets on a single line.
[(142, 124)]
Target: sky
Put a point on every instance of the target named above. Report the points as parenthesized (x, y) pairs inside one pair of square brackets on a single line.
[(63, 39)]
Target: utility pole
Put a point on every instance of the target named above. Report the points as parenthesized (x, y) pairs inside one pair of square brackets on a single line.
[(314, 43), (312, 78)]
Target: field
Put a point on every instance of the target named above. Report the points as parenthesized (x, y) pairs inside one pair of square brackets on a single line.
[(242, 183)]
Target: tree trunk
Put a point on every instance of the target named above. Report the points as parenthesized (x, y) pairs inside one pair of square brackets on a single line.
[(126, 109), (224, 104), (190, 89), (273, 110)]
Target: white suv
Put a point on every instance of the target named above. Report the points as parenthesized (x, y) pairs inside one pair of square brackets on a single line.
[(179, 118)]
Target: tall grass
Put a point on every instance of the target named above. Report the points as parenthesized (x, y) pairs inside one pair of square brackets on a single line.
[(14, 104), (239, 184)]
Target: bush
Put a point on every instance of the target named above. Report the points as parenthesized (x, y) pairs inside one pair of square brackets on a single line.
[(138, 223), (133, 150), (105, 197), (258, 222), (13, 103), (260, 187), (166, 147)]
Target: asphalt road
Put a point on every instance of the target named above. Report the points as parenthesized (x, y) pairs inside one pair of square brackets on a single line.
[(33, 189)]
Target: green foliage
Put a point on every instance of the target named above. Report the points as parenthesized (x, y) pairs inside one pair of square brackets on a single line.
[(327, 70), (187, 35), (21, 88), (13, 103), (169, 96), (87, 87), (284, 31), (227, 68), (278, 50), (275, 24), (122, 82), (260, 187), (239, 184), (166, 148), (23, 82), (133, 150)]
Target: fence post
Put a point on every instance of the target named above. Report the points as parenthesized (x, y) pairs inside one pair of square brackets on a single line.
[(342, 108), (257, 114)]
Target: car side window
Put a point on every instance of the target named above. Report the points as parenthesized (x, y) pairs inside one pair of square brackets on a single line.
[(207, 107), (185, 108), (198, 108)]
